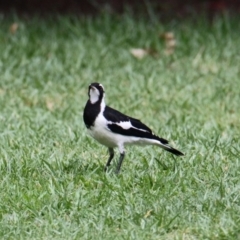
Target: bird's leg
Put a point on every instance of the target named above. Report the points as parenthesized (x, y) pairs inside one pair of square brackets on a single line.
[(120, 162), (111, 155)]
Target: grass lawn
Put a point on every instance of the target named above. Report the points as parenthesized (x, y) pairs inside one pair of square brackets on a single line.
[(52, 181)]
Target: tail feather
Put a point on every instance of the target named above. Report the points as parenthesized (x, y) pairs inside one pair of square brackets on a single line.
[(173, 151), (164, 144)]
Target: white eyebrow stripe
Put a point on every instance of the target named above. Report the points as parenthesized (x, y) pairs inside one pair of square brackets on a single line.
[(101, 86)]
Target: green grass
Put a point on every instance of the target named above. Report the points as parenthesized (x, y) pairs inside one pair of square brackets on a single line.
[(52, 181)]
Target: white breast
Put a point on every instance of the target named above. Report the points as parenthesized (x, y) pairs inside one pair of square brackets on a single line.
[(102, 134)]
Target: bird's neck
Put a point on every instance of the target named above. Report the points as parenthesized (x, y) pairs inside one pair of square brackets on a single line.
[(102, 105)]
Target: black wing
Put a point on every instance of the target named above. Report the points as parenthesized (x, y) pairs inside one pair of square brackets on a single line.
[(116, 117), (138, 129)]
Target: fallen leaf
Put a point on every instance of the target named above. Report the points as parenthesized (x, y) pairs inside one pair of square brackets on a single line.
[(1, 91), (170, 42), (148, 213), (13, 28), (139, 52), (167, 36), (49, 104)]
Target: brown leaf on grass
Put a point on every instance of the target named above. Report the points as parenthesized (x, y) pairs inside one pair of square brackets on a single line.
[(148, 213), (53, 102), (50, 104), (13, 28), (141, 53), (1, 91), (170, 42), (167, 36)]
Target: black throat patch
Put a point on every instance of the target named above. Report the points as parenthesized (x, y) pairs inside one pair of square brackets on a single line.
[(90, 113)]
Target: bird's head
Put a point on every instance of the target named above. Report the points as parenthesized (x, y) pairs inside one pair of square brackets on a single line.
[(95, 92)]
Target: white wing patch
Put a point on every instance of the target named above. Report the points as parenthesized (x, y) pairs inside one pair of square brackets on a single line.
[(126, 125)]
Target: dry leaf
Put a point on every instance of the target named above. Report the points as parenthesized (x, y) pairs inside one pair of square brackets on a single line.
[(1, 91), (148, 213), (138, 52), (13, 28), (141, 53), (170, 42), (49, 104), (167, 36)]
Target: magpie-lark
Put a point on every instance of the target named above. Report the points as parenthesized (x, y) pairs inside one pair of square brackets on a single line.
[(114, 129)]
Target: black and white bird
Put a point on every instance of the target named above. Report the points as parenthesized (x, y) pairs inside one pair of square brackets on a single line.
[(114, 129)]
